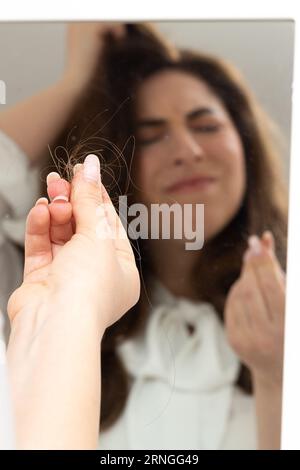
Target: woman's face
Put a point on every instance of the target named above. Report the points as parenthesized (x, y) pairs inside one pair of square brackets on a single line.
[(189, 150)]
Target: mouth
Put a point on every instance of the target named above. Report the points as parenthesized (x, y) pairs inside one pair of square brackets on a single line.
[(200, 183)]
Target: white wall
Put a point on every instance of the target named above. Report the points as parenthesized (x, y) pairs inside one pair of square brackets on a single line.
[(32, 56)]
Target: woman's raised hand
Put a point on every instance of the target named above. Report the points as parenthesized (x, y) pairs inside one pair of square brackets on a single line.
[(85, 42), (254, 311)]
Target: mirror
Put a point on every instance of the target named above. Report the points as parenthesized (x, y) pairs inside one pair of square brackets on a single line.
[(191, 123)]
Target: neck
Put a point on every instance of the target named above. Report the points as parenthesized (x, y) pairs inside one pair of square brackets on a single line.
[(173, 266)]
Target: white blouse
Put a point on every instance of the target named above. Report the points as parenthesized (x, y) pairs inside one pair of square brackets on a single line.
[(183, 393)]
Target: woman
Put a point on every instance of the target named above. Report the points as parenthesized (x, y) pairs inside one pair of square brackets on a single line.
[(190, 115)]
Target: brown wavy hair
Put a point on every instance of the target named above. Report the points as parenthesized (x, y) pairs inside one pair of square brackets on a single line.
[(104, 123)]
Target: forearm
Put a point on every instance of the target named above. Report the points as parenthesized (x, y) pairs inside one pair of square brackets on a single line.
[(54, 367), (268, 401), (36, 122)]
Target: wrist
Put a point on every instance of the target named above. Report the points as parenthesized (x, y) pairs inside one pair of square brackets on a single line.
[(53, 350), (267, 382), (53, 314)]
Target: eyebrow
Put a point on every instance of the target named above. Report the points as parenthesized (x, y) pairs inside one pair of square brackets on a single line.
[(153, 122)]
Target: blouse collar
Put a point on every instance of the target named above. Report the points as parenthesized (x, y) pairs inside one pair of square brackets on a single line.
[(182, 381)]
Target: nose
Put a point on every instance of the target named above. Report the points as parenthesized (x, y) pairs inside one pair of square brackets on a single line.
[(186, 148)]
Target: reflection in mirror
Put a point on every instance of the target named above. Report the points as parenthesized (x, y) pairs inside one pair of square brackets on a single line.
[(190, 122)]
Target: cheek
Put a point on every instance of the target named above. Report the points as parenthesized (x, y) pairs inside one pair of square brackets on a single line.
[(232, 161), (236, 176), (228, 199)]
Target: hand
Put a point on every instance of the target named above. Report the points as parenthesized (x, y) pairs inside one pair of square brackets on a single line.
[(67, 261), (254, 311), (77, 281), (85, 42)]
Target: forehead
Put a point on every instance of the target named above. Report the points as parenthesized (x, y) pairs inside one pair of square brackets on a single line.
[(174, 92)]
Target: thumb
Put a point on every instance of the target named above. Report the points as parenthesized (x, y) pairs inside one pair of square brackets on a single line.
[(86, 195)]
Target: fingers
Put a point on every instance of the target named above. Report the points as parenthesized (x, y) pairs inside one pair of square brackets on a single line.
[(61, 228), (48, 225), (261, 260), (261, 256), (90, 211), (86, 197), (90, 202), (254, 300), (238, 326), (249, 310), (38, 250), (57, 188), (268, 240), (118, 30)]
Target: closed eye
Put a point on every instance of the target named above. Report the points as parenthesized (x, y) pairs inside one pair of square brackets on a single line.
[(151, 140), (208, 128)]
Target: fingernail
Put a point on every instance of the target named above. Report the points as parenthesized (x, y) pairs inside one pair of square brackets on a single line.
[(91, 168), (52, 177), (254, 244), (60, 199), (76, 168), (42, 200)]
